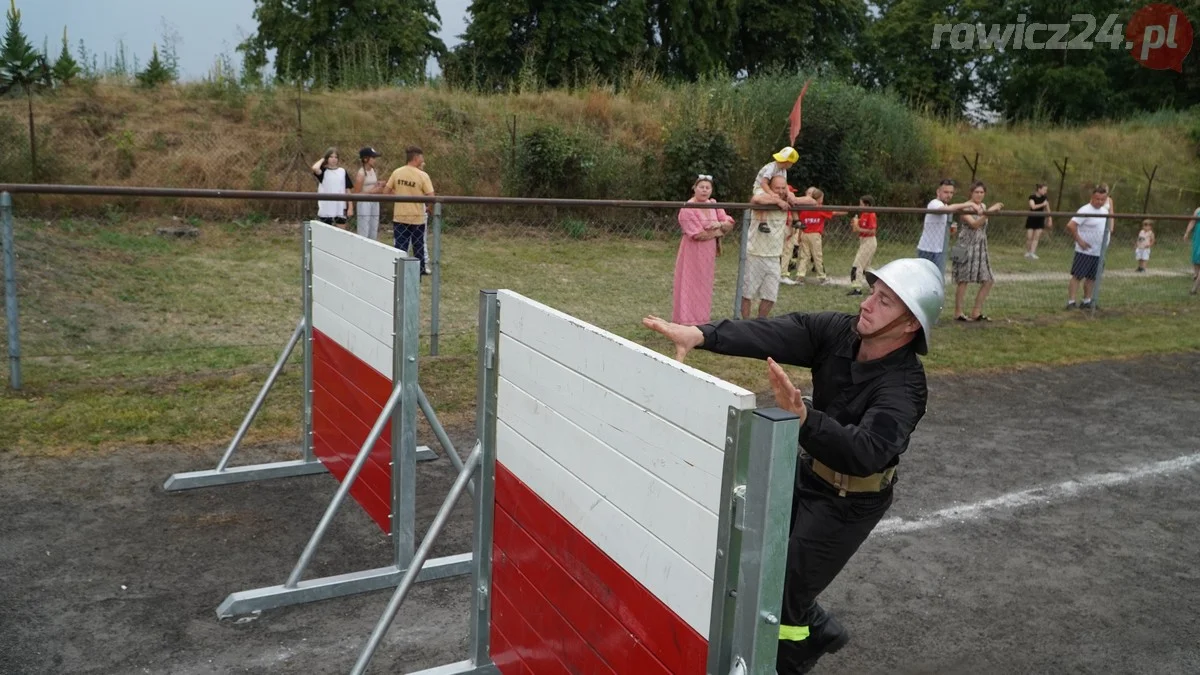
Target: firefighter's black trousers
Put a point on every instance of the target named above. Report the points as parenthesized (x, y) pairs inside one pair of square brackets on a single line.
[(826, 530)]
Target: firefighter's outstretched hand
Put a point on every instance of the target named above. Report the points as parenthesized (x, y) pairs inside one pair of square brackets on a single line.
[(685, 338), (787, 396)]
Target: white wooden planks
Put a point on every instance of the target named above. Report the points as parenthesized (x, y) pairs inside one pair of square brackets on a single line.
[(674, 455), (373, 256), (373, 351), (682, 395), (377, 291), (624, 442), (689, 529), (353, 293), (357, 312), (682, 587)]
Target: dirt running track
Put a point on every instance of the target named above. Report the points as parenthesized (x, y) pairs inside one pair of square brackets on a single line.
[(103, 572)]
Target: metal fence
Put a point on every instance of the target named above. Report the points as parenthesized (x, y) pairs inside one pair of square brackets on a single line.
[(607, 262)]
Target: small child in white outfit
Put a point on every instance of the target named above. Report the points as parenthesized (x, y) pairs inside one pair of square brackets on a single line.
[(1145, 241)]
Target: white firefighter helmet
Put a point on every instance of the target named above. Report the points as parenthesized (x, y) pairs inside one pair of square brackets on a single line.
[(921, 288)]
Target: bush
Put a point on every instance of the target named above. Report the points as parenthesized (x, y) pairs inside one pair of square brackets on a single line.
[(552, 163), (689, 152)]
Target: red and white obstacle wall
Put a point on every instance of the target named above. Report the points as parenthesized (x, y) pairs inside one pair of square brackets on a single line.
[(631, 512)]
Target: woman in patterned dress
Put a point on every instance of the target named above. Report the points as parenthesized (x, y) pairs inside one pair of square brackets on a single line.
[(696, 262), (973, 266)]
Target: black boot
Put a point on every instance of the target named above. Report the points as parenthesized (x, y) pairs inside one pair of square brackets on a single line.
[(825, 636)]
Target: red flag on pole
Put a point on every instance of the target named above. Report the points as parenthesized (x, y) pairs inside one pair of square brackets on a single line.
[(794, 118)]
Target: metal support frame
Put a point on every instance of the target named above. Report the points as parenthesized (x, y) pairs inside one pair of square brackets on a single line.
[(401, 411), (741, 273), (405, 316), (12, 317), (308, 464), (435, 263), (764, 515), (482, 462), (752, 536)]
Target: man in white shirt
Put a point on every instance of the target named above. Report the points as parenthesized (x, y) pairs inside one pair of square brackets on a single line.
[(932, 245), (1088, 227)]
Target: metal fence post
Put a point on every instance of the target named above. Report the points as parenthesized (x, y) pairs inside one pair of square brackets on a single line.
[(404, 417), (435, 261), (10, 291), (729, 544), (485, 494), (763, 513), (945, 248), (741, 275), (306, 441), (1111, 222)]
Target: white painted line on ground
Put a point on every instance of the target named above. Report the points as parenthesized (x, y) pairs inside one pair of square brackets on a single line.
[(1038, 495)]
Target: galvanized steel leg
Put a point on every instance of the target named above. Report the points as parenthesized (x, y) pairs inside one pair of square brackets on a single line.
[(418, 561)]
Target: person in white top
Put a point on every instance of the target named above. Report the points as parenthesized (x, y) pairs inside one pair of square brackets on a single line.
[(367, 182), (332, 179), (932, 245), (1088, 228)]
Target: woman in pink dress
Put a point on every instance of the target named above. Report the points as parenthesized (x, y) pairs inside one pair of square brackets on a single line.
[(696, 263)]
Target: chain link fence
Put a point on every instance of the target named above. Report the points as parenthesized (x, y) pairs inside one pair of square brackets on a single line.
[(144, 297)]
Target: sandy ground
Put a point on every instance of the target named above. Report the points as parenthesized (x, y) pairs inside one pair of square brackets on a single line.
[(103, 572)]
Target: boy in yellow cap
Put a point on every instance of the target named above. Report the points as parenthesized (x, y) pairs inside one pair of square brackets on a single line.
[(784, 159)]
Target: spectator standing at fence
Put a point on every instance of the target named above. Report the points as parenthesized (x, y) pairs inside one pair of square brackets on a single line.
[(367, 182), (1038, 201), (1194, 232), (332, 179), (972, 265), (408, 218), (1145, 241), (812, 239), (865, 226), (868, 395), (696, 262), (1088, 228), (932, 245), (768, 229)]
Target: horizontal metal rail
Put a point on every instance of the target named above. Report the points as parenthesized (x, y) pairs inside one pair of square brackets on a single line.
[(189, 193)]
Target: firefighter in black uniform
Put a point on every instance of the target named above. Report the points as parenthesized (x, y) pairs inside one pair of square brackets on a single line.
[(868, 395)]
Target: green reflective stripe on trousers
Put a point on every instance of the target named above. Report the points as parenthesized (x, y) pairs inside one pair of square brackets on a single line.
[(793, 633)]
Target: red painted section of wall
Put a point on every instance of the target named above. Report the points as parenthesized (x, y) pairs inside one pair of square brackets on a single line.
[(567, 589), (348, 396)]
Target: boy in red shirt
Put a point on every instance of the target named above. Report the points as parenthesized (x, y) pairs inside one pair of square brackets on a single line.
[(864, 226), (811, 238)]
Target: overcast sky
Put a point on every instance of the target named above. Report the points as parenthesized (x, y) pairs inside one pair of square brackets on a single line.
[(205, 28)]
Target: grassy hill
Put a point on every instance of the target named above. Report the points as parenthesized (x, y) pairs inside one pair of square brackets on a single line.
[(221, 136)]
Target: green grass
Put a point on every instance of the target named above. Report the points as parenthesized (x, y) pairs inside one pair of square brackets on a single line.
[(131, 339)]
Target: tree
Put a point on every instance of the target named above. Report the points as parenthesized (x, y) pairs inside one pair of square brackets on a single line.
[(21, 66), (898, 54), (820, 34), (309, 36), (563, 42), (1079, 85), (65, 68), (689, 39), (156, 72)]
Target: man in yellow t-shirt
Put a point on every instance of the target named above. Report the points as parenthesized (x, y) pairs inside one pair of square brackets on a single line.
[(408, 218)]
